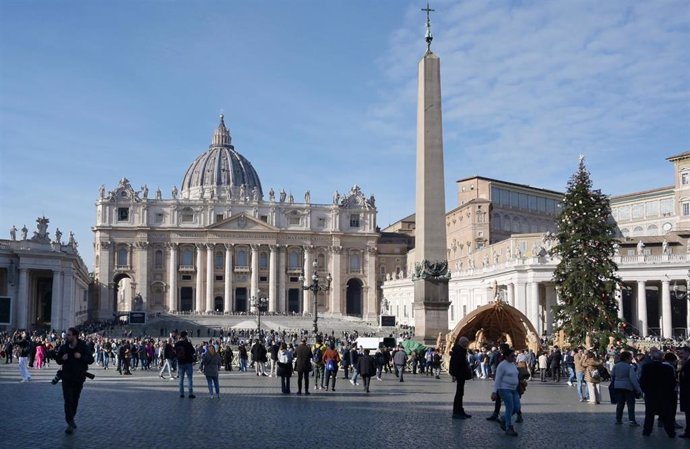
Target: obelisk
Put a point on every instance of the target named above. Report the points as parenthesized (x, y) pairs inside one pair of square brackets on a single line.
[(431, 264)]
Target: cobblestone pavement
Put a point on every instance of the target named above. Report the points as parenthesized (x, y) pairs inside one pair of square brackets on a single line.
[(143, 411)]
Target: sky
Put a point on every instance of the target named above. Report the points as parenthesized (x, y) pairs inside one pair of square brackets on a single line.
[(321, 95)]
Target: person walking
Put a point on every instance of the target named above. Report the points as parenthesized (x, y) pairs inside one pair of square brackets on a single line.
[(506, 381), (625, 387), (303, 358), (543, 365), (400, 360), (184, 351), (582, 389), (210, 365), (168, 355), (366, 369), (345, 360), (317, 356), (22, 342), (460, 369), (331, 359), (659, 386), (284, 367), (74, 357)]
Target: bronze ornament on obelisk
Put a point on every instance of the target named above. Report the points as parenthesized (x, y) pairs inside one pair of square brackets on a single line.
[(431, 264)]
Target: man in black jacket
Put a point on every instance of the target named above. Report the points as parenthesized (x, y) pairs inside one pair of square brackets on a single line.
[(75, 358), (460, 369), (185, 354), (658, 383)]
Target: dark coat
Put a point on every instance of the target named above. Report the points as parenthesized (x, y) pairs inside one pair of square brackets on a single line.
[(659, 386), (365, 366), (459, 367), (303, 359), (684, 382), (74, 369), (259, 353)]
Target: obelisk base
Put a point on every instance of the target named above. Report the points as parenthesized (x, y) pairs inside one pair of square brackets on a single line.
[(430, 309)]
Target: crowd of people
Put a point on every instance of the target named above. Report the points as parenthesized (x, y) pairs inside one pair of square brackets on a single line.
[(660, 376)]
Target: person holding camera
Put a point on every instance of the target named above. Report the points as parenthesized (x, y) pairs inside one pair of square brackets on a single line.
[(74, 357)]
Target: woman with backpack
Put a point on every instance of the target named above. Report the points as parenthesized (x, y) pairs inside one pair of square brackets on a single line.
[(331, 358)]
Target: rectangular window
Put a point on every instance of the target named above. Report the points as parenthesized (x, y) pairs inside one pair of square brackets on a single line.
[(264, 218), (354, 220), (532, 202), (524, 204), (219, 217), (322, 222), (294, 279), (186, 277), (541, 204), (263, 278), (123, 214), (684, 178), (355, 263), (159, 217), (514, 199), (219, 278), (293, 220), (686, 209)]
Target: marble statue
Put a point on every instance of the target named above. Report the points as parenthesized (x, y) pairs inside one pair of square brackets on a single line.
[(174, 192), (509, 254), (271, 195), (372, 201), (145, 191), (255, 194), (58, 235), (307, 197), (72, 241), (101, 191), (616, 250), (291, 199), (496, 258), (640, 248), (243, 192), (664, 248), (159, 194), (24, 232), (13, 232), (282, 195), (336, 197)]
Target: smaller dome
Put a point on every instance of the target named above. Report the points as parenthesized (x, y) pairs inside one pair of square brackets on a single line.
[(221, 166)]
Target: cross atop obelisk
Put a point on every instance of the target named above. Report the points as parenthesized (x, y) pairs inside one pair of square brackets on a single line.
[(431, 259), (428, 37)]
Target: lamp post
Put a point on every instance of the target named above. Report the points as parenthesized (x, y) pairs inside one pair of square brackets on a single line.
[(315, 288), (260, 303)]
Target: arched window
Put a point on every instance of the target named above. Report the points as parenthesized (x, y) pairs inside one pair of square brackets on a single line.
[(263, 261), (516, 224), (506, 223), (321, 262), (187, 215), (241, 258), (638, 231), (652, 230), (122, 257), (220, 260), (187, 257), (294, 262), (158, 259)]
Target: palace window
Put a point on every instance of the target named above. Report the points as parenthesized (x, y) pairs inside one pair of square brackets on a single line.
[(294, 262), (294, 220), (123, 214), (122, 256), (686, 209), (684, 178), (219, 217), (187, 257), (159, 217), (355, 263), (158, 259), (187, 215), (321, 262), (263, 261), (220, 260), (241, 258), (354, 220)]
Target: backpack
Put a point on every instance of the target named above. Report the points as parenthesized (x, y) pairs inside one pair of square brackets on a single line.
[(331, 365), (317, 355)]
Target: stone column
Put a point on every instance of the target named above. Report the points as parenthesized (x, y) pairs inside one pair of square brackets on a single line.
[(200, 303), (335, 295), (370, 310), (282, 284), (143, 272), (642, 308), (68, 288), (687, 315), (22, 301), (521, 298), (308, 271), (272, 281), (227, 291), (210, 276), (57, 300), (172, 277), (619, 301), (254, 285), (511, 294), (533, 307), (105, 261), (667, 322)]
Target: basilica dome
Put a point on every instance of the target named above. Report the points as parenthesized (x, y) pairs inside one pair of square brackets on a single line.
[(219, 169)]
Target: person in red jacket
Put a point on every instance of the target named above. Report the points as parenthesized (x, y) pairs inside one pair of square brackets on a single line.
[(331, 359)]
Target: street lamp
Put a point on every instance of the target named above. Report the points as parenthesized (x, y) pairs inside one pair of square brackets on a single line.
[(261, 305), (315, 288)]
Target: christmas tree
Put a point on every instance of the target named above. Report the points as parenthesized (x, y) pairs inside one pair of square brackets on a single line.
[(586, 277)]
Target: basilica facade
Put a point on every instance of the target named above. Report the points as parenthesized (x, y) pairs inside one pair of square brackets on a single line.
[(219, 243)]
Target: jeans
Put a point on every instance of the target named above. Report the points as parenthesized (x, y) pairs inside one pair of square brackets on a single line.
[(318, 374), (581, 392), (285, 384), (272, 368), (212, 384), (571, 374), (355, 374), (511, 399), (366, 380), (259, 368), (185, 369), (106, 361), (70, 393), (624, 397), (331, 375), (243, 365), (167, 364), (401, 370)]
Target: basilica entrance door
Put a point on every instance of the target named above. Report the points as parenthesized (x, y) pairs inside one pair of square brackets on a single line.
[(293, 300), (241, 299), (354, 297), (186, 299)]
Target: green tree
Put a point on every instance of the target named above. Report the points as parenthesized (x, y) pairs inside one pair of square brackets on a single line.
[(586, 276)]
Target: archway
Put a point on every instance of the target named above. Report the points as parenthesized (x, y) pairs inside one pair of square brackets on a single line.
[(218, 304), (354, 303), (493, 324), (122, 293)]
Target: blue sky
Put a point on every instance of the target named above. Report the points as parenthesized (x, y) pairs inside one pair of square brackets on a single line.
[(322, 95)]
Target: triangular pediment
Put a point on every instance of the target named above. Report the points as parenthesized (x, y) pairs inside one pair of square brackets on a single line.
[(242, 222)]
